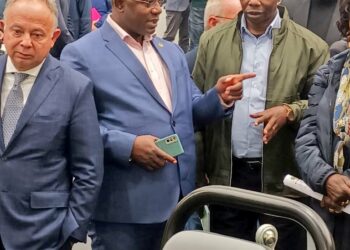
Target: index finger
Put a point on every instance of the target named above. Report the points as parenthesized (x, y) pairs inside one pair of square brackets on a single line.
[(239, 77), (165, 156)]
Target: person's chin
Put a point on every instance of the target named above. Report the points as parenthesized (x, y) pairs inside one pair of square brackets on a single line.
[(23, 64)]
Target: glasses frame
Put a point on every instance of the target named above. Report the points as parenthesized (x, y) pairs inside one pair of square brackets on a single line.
[(151, 3), (228, 18)]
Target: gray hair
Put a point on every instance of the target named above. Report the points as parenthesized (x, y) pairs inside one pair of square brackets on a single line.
[(216, 7), (51, 4)]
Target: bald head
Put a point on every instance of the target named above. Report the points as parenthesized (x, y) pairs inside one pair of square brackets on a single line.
[(220, 11)]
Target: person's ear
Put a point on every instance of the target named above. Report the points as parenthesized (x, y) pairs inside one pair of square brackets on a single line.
[(119, 5), (56, 33), (2, 27), (212, 21)]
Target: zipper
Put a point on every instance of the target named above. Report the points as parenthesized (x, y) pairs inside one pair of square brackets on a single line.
[(231, 151)]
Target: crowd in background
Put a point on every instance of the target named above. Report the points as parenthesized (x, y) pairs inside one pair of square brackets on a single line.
[(254, 90)]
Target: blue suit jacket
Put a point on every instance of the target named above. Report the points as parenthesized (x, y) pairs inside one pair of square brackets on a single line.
[(79, 18), (177, 5), (128, 105), (51, 170)]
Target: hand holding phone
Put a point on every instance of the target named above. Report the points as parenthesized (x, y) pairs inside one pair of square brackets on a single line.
[(171, 145)]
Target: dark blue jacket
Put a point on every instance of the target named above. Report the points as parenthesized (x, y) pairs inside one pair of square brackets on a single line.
[(316, 139), (79, 18), (104, 7)]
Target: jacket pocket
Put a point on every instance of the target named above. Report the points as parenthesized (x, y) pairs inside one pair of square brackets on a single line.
[(49, 199)]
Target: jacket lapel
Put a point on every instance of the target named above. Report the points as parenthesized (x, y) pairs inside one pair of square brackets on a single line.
[(115, 44), (44, 83), (3, 60), (159, 46)]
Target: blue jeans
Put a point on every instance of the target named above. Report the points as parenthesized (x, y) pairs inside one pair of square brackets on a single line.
[(196, 25)]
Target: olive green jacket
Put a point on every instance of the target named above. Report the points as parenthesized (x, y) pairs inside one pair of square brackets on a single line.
[(296, 55)]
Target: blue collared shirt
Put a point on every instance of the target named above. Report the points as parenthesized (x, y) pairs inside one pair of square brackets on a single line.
[(246, 137)]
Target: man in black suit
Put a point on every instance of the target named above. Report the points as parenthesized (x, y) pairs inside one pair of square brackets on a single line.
[(319, 16)]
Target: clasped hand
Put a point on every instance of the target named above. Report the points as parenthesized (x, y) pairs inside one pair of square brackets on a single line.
[(337, 193)]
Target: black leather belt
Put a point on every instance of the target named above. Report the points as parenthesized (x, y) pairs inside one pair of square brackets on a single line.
[(252, 163)]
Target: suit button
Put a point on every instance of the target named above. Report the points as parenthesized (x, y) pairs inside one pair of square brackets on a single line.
[(174, 123), (4, 158)]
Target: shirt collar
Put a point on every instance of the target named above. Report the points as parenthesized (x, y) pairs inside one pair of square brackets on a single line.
[(275, 24), (125, 36), (10, 68)]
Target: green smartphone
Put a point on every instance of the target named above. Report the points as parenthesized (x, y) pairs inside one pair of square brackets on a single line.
[(171, 145)]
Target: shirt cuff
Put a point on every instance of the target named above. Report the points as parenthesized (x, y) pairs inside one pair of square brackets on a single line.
[(224, 105)]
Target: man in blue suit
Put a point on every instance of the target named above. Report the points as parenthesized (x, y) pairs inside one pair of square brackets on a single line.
[(143, 91), (50, 147)]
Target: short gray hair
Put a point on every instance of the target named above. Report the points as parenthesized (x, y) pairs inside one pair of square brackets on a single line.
[(216, 7), (51, 4)]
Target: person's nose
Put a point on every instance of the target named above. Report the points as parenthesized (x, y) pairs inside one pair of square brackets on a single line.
[(157, 9), (26, 40), (254, 2)]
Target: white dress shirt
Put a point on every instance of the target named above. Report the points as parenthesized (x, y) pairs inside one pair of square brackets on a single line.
[(9, 80)]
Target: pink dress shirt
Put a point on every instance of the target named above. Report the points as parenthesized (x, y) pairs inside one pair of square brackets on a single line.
[(151, 61)]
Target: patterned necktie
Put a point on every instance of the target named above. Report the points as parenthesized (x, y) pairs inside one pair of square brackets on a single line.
[(13, 107)]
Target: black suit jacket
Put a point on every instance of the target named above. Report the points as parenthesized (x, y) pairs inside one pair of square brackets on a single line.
[(299, 12)]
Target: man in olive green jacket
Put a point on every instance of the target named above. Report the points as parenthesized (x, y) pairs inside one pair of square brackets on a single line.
[(272, 106)]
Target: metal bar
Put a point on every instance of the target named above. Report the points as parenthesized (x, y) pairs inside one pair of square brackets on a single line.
[(250, 201)]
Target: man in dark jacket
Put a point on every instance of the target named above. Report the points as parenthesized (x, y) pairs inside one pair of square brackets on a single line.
[(253, 148), (319, 16)]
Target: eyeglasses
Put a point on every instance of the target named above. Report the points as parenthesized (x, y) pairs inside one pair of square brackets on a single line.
[(229, 18), (151, 3)]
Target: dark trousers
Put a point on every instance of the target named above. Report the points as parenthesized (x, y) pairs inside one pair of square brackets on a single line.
[(126, 236), (243, 224), (1, 245), (66, 246)]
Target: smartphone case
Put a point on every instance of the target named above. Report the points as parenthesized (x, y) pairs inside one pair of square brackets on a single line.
[(171, 145)]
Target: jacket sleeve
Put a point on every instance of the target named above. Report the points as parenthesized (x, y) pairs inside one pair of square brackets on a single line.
[(85, 160), (318, 57), (206, 107), (85, 17), (103, 8), (312, 167), (117, 144)]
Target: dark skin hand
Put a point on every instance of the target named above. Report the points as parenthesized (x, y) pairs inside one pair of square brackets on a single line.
[(230, 87), (273, 119), (338, 193), (146, 153)]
